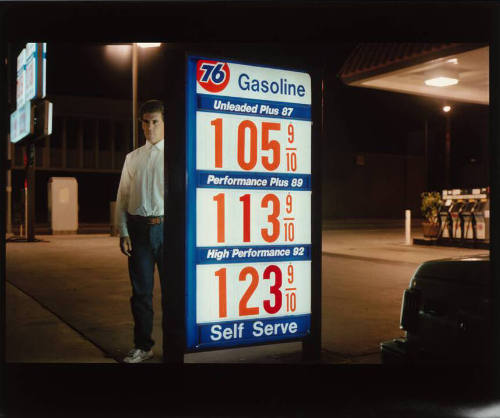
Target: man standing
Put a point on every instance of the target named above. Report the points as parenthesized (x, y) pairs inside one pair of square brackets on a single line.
[(140, 215)]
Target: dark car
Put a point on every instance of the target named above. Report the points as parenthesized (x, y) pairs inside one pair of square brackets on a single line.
[(446, 313)]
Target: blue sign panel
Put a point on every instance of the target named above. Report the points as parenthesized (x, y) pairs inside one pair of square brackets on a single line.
[(30, 84), (248, 229), (35, 67)]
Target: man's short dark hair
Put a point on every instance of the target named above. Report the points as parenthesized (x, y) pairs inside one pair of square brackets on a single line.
[(152, 106)]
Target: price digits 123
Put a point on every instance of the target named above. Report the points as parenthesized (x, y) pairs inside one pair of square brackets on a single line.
[(271, 306)]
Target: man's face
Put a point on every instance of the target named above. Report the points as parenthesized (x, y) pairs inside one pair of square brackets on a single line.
[(153, 126)]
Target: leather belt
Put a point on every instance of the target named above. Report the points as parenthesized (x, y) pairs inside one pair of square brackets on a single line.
[(149, 220)]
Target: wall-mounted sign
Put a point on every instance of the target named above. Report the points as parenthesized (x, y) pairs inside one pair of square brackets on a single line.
[(21, 79), (21, 123), (30, 84), (248, 237), (35, 70)]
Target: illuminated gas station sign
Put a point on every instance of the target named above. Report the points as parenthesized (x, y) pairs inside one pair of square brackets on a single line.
[(21, 79), (35, 70), (248, 228), (20, 123), (30, 84)]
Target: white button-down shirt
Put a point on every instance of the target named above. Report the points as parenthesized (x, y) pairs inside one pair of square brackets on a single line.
[(141, 184)]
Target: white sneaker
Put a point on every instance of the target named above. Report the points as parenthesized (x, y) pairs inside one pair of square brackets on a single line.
[(136, 355)]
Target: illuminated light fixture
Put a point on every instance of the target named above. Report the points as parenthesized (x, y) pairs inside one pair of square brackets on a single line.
[(442, 77), (446, 109), (149, 45), (441, 81), (453, 61)]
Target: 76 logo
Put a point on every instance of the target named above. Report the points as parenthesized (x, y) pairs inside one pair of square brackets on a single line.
[(213, 76)]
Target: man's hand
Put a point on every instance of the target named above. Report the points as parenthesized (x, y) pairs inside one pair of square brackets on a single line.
[(126, 246)]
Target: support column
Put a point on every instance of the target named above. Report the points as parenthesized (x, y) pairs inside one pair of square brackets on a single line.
[(135, 137), (30, 177), (46, 153), (9, 186), (311, 346), (447, 153), (426, 153), (63, 138), (80, 143), (112, 143), (96, 143)]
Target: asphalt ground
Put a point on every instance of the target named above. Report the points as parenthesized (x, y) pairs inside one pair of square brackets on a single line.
[(68, 325), (67, 298)]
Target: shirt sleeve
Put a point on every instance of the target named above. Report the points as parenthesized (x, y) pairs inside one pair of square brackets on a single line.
[(122, 199)]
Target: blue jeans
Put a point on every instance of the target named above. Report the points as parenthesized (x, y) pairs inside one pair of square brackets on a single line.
[(147, 250)]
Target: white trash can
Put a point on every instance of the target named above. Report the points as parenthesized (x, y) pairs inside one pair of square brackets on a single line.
[(63, 205)]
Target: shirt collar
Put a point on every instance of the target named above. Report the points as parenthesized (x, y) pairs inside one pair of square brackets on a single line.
[(159, 145)]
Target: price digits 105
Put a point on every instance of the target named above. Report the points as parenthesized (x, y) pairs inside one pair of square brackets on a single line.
[(248, 129)]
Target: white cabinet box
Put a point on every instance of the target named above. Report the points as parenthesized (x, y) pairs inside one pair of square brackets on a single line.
[(63, 205)]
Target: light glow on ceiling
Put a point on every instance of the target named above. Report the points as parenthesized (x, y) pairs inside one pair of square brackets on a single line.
[(149, 45), (118, 54), (472, 69), (489, 411), (441, 81)]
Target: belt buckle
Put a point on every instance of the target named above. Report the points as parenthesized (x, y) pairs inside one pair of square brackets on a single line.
[(153, 221)]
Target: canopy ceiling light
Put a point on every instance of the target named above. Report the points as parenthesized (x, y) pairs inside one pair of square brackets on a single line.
[(441, 81), (442, 77), (404, 68)]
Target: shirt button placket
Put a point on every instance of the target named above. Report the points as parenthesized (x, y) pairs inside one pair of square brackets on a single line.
[(151, 181)]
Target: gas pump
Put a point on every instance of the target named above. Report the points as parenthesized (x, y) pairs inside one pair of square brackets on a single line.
[(468, 221), (482, 218), (456, 219), (464, 217), (444, 216)]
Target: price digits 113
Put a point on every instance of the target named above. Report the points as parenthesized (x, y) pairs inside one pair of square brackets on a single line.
[(268, 234)]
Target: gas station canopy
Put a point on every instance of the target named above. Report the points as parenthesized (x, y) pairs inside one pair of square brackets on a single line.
[(450, 71)]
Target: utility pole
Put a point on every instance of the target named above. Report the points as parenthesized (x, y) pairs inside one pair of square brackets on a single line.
[(30, 179), (9, 186), (9, 146), (32, 121), (134, 96)]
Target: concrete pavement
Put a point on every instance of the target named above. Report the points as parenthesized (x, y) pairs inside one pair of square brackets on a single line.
[(37, 335), (372, 244), (70, 294)]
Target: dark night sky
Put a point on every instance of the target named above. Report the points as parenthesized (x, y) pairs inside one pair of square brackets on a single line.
[(357, 120), (95, 70), (360, 119)]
